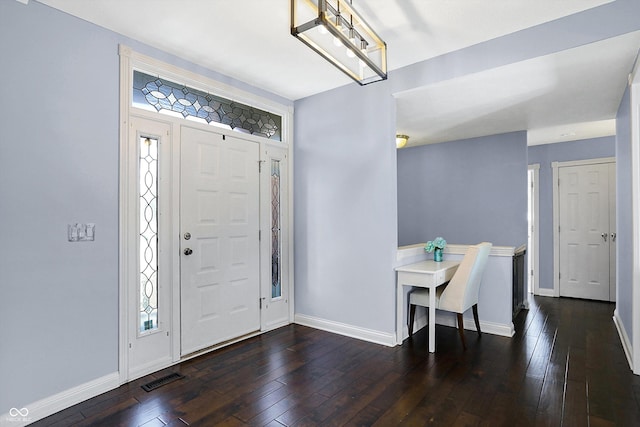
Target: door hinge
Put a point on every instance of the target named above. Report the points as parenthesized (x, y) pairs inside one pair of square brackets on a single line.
[(259, 235), (260, 162)]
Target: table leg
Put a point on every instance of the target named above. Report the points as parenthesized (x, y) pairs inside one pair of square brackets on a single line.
[(399, 313), (432, 320)]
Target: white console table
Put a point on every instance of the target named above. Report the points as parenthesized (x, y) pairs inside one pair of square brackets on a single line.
[(425, 274)]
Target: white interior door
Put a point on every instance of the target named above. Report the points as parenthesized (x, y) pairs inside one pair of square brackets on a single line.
[(584, 209), (219, 222)]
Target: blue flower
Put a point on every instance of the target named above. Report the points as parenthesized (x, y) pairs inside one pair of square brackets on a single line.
[(437, 243)]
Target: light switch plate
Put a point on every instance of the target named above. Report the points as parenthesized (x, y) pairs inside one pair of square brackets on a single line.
[(80, 232)]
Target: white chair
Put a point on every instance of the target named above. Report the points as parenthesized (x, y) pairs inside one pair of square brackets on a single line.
[(461, 293)]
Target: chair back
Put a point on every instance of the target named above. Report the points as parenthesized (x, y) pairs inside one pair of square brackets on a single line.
[(462, 291)]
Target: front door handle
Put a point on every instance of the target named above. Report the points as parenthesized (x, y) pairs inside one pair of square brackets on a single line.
[(188, 251), (613, 237), (604, 236)]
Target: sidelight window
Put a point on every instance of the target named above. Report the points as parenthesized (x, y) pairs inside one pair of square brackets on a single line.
[(276, 244), (148, 198)]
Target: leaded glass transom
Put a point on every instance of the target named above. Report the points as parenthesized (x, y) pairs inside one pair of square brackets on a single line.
[(153, 93), (276, 285), (148, 234)]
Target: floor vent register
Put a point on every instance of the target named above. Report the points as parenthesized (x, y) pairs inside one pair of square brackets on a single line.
[(161, 381)]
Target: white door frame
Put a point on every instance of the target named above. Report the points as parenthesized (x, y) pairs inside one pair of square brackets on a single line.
[(129, 60), (634, 80), (534, 248), (556, 212)]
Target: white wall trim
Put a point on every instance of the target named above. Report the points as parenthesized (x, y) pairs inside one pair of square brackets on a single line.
[(52, 404), (543, 292), (449, 319), (377, 337), (389, 339), (556, 212), (123, 222), (411, 251), (624, 338), (635, 201), (535, 236)]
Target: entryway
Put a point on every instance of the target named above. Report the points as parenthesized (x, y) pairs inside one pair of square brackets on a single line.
[(205, 215)]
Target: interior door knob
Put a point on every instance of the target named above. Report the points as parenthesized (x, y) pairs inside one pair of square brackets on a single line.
[(188, 251)]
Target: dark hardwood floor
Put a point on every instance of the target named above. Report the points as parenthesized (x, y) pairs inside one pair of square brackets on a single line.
[(564, 366)]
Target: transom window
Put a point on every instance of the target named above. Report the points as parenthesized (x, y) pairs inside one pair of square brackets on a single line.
[(157, 94)]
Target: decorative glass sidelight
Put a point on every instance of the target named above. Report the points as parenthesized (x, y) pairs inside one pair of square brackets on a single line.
[(276, 244), (148, 234), (156, 94)]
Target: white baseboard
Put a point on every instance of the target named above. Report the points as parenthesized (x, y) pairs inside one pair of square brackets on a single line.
[(364, 334), (52, 404), (546, 292), (448, 319), (624, 338)]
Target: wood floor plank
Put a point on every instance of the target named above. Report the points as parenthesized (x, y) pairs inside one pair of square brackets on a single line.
[(564, 366)]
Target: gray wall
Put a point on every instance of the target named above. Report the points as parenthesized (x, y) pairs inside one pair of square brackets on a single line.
[(465, 191), (59, 165), (624, 211), (545, 155), (344, 181)]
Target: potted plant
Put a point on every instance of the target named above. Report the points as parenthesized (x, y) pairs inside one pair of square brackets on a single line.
[(436, 246)]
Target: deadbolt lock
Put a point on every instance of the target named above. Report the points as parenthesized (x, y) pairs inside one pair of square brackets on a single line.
[(187, 236)]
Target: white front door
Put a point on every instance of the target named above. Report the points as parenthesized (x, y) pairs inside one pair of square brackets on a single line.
[(219, 226), (585, 231)]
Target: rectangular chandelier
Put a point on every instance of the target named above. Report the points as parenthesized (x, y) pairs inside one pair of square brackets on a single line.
[(339, 34)]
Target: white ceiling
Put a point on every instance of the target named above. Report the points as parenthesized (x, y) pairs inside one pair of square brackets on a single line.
[(250, 40), (565, 96)]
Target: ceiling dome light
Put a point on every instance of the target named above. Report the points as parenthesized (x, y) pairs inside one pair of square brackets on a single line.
[(401, 140)]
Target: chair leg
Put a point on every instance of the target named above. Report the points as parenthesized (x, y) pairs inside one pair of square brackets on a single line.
[(475, 317), (412, 315), (461, 330)]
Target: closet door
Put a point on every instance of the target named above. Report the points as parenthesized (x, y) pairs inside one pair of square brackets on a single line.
[(585, 231)]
